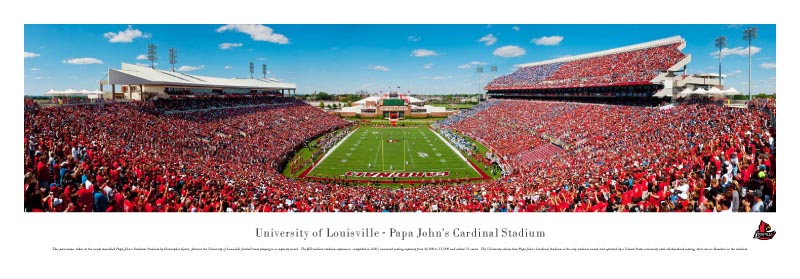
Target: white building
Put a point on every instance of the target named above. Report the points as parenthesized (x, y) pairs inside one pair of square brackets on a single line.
[(393, 106), (138, 82)]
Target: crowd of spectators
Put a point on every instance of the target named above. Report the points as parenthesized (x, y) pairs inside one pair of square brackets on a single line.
[(464, 114), (116, 157), (30, 104), (525, 76), (211, 102), (120, 158), (629, 67), (689, 157)]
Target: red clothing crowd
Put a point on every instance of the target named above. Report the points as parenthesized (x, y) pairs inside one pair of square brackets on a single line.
[(638, 155), (635, 66), (131, 157)]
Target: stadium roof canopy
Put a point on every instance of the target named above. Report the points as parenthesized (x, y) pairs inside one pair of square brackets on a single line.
[(731, 91), (650, 44), (71, 92), (134, 74)]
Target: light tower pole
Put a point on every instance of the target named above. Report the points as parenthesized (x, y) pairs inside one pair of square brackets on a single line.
[(494, 76), (480, 76), (152, 54), (173, 58), (720, 42), (750, 34)]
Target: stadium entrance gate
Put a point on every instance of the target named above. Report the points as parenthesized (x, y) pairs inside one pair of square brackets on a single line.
[(393, 115)]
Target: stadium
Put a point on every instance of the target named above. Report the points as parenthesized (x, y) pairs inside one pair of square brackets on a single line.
[(619, 130)]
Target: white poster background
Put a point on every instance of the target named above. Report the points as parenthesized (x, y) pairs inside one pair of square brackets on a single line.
[(28, 239)]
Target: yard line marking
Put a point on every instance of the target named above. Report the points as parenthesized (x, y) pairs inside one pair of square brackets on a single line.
[(375, 161), (410, 153)]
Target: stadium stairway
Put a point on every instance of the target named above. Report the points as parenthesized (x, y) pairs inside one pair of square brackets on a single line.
[(539, 153)]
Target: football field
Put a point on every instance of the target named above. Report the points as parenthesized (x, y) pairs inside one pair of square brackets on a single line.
[(397, 154)]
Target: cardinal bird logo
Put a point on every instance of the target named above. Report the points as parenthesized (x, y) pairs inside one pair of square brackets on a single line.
[(764, 232)]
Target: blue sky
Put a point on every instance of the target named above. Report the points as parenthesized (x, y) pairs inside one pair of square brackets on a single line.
[(423, 59)]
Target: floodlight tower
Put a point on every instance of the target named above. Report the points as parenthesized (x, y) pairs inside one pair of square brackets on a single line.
[(152, 54), (494, 76), (720, 42), (479, 76), (264, 70), (251, 70), (748, 35), (173, 58)]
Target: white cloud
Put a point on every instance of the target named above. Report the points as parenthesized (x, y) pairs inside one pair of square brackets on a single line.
[(261, 59), (125, 36), (548, 40), (38, 77), (186, 68), (257, 32), (379, 68), (509, 51), (141, 57), (768, 65), (516, 28), (488, 39), (35, 69), (428, 66), (741, 51), (734, 73), (468, 65), (82, 61), (31, 55), (413, 38), (437, 77), (228, 67), (229, 45), (423, 53)]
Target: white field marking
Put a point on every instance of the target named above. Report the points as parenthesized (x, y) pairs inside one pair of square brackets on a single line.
[(454, 150), (408, 149), (332, 149), (379, 149)]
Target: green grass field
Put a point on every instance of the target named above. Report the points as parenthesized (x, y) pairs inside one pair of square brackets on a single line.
[(395, 150)]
